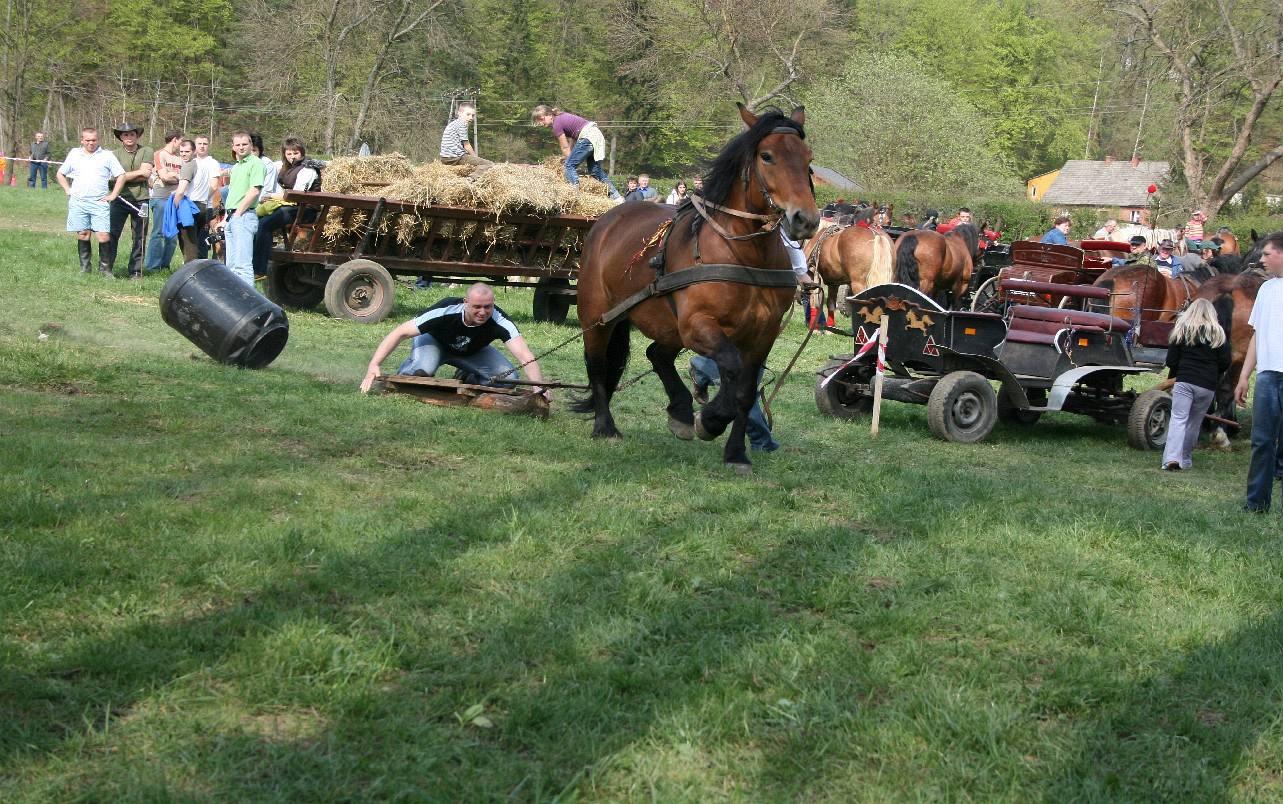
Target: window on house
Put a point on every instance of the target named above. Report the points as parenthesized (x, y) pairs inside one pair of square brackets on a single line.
[(1135, 216)]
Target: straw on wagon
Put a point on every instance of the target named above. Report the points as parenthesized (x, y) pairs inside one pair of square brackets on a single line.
[(354, 175)]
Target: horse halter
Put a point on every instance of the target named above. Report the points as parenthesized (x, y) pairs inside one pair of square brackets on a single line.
[(772, 221)]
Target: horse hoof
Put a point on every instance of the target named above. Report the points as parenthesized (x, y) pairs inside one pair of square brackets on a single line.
[(1220, 441), (741, 469), (703, 434), (682, 430)]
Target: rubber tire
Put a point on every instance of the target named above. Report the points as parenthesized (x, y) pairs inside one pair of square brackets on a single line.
[(551, 306), (1143, 425), (1010, 414), (962, 408), (985, 298), (284, 286), (360, 290), (836, 400)]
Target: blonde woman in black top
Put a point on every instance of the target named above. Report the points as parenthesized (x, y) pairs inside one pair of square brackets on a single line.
[(1198, 353)]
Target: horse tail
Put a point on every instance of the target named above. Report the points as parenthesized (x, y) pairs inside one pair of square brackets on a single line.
[(906, 264), (881, 263), (616, 359)]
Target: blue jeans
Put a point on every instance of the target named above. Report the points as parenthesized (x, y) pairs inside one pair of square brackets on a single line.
[(1267, 418), (582, 152), (268, 225), (704, 372), (160, 249), (239, 249), (43, 169), (426, 355)]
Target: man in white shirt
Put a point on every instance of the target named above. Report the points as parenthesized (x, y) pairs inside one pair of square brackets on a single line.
[(1265, 354), (89, 195), (205, 190)]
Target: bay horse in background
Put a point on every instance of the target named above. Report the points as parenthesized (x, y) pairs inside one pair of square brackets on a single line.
[(1138, 292), (939, 265), (731, 280), (1233, 296), (1229, 243), (858, 256)]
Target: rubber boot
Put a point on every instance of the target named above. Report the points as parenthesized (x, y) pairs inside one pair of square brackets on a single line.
[(86, 255), (106, 259)]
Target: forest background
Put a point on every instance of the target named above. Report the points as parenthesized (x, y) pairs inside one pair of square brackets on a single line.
[(956, 97)]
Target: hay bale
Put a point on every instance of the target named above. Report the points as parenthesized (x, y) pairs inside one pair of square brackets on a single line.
[(590, 206), (519, 188), (435, 183), (353, 174)]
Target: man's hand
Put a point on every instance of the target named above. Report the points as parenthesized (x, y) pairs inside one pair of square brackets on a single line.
[(108, 198), (370, 377), (1240, 392)]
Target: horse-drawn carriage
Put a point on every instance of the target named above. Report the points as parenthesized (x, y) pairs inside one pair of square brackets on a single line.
[(1047, 263), (1044, 359)]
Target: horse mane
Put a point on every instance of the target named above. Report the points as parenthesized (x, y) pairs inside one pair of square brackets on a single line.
[(970, 234), (728, 167)]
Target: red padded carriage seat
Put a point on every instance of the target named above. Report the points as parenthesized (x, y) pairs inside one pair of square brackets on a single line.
[(1075, 318)]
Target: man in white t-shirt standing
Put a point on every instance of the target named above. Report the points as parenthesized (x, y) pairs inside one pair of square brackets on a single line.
[(91, 170), (1265, 354), (204, 190)]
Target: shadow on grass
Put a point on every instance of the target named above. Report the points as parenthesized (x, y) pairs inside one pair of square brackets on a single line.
[(1189, 731), (574, 667)]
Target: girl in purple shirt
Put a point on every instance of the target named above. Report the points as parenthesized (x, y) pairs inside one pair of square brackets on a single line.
[(580, 141)]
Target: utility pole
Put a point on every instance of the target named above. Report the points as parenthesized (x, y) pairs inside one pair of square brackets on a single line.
[(1091, 122), (1140, 126)]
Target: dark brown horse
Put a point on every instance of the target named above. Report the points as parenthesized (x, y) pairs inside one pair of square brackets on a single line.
[(759, 182), (856, 256), (938, 265), (1233, 296), (1138, 292)]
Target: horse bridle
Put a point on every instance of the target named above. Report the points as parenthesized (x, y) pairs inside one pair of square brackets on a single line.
[(772, 221)]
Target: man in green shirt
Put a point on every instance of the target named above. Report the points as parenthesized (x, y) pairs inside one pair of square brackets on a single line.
[(245, 183), (136, 159)]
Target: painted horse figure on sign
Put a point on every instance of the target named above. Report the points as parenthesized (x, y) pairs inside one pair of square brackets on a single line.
[(712, 276)]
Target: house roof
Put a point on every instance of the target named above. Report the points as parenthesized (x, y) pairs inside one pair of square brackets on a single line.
[(832, 177), (1084, 182)]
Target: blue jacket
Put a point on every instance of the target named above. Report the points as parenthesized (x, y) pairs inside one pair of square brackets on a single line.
[(183, 215), (1055, 237)]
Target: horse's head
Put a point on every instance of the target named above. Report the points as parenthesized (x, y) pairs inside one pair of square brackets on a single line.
[(771, 164)]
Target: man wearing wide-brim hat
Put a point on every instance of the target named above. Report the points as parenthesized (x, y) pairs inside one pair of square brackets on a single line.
[(136, 159)]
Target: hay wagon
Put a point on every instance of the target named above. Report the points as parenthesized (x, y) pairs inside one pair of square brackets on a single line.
[(344, 250), (1043, 359)]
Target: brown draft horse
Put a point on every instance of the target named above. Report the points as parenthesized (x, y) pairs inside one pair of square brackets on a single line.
[(938, 265), (1138, 292), (856, 256), (1233, 296), (762, 175)]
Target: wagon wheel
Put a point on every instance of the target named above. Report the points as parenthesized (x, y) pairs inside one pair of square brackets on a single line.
[(838, 399), (295, 284), (360, 290), (1148, 420), (962, 407), (549, 304), (985, 299), (1009, 412), (843, 306)]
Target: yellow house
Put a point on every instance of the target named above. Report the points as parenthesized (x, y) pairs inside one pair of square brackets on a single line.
[(1037, 187)]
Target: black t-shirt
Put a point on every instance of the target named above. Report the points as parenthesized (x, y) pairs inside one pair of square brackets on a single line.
[(444, 322)]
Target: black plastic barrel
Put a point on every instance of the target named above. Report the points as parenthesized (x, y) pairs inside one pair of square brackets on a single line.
[(229, 320)]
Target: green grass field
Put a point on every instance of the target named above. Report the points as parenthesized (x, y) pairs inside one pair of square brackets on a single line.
[(231, 585)]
